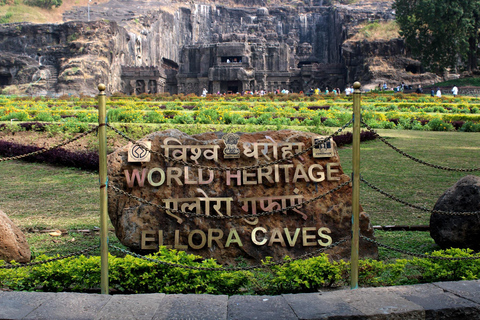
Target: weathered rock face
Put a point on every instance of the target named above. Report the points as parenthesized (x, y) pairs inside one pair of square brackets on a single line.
[(376, 62), (294, 47), (13, 245), (234, 193), (455, 230), (60, 59)]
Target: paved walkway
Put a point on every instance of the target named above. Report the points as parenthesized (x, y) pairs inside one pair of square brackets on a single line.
[(441, 300)]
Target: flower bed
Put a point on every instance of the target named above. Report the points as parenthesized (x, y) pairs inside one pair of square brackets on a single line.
[(386, 111)]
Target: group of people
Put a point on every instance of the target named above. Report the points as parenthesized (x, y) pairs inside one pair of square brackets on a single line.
[(433, 92), (438, 93), (348, 90)]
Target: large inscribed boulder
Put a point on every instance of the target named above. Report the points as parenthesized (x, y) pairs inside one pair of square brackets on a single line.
[(458, 231), (13, 245), (212, 203)]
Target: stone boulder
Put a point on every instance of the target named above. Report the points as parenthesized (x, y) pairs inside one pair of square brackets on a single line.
[(143, 226), (458, 231), (13, 245)]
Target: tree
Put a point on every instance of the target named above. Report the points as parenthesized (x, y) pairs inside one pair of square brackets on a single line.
[(440, 33), (47, 4)]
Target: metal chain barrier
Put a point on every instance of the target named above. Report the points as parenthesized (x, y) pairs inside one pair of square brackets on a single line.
[(418, 255), (52, 147), (416, 159), (388, 195), (197, 215), (74, 254), (221, 268), (258, 166)]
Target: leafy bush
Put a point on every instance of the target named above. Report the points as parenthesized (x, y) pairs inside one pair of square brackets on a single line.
[(305, 275), (470, 126), (44, 116), (46, 4), (439, 125), (448, 270), (18, 115), (135, 275)]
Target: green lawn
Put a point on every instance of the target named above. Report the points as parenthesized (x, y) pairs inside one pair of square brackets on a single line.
[(40, 196)]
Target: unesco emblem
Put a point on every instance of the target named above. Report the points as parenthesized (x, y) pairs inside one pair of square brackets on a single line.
[(138, 154), (322, 149)]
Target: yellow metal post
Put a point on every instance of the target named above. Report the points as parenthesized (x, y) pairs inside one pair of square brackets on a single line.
[(102, 151), (355, 186)]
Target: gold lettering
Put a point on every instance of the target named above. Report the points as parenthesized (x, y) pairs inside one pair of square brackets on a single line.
[(146, 239), (177, 241), (233, 238), (187, 178), (150, 177), (319, 177), (229, 176), (217, 239), (330, 171), (307, 237), (300, 173), (190, 239), (277, 174), (267, 175), (324, 236), (200, 176), (254, 236), (174, 173), (276, 237), (135, 174), (291, 241), (247, 175)]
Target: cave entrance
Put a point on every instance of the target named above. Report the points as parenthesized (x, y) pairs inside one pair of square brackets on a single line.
[(413, 69), (231, 59), (5, 79), (231, 87)]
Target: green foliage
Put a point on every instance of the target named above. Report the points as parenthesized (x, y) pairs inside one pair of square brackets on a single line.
[(44, 116), (440, 32), (439, 125), (305, 275), (18, 115), (46, 4), (135, 275), (6, 17), (449, 270), (155, 117), (183, 119), (470, 126)]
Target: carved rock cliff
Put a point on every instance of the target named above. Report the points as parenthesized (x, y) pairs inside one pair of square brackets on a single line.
[(187, 47)]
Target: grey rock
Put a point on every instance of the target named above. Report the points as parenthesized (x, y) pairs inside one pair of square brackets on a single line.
[(458, 231)]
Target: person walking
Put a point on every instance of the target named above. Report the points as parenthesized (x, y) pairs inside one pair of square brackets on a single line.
[(454, 91), (439, 93), (419, 89)]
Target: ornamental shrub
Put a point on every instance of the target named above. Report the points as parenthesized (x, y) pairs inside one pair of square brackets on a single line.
[(470, 126), (44, 116), (448, 270), (155, 117), (305, 275), (183, 119), (439, 125), (18, 115)]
